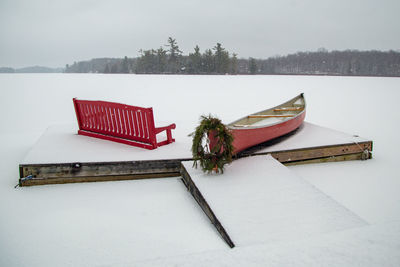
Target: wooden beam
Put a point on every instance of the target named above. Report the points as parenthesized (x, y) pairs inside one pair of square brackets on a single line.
[(191, 186), (288, 109), (88, 179), (97, 171), (356, 156), (269, 116), (303, 154)]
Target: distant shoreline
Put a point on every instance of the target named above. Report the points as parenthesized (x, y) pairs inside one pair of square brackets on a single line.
[(348, 63), (171, 74), (32, 69)]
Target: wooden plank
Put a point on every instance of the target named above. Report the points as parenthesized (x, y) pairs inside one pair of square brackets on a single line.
[(307, 153), (288, 109), (321, 152), (269, 116), (356, 156), (87, 179), (191, 186), (72, 172), (101, 168)]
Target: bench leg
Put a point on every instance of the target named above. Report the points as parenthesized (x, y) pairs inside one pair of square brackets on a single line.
[(169, 138)]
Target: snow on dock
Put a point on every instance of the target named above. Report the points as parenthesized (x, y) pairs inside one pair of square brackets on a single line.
[(258, 200), (310, 135), (62, 156), (62, 144)]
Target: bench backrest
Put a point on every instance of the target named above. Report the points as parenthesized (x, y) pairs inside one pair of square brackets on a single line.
[(119, 120)]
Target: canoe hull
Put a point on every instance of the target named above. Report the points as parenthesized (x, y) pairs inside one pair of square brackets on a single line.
[(265, 125), (245, 138)]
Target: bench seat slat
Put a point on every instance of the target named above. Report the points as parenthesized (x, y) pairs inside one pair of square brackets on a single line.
[(140, 123), (126, 120), (109, 120), (145, 125), (123, 123), (132, 122)]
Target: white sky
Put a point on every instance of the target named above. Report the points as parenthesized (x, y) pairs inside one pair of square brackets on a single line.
[(58, 32)]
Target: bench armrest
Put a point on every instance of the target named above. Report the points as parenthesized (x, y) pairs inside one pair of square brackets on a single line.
[(169, 127), (169, 133)]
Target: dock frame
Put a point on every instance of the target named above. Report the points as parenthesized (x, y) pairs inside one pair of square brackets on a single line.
[(77, 172)]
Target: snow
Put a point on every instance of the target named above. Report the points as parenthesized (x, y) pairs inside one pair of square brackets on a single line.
[(102, 223), (157, 222), (372, 245), (259, 200), (311, 135), (61, 144)]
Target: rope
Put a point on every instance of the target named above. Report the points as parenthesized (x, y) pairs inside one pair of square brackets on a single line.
[(29, 177), (365, 151)]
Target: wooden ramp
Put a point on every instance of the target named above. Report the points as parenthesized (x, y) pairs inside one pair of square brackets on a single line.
[(62, 156), (258, 200)]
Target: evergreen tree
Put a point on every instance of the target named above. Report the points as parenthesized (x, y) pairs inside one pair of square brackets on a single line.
[(125, 65), (161, 60), (147, 62), (252, 66), (195, 61), (174, 56), (234, 64), (107, 68), (208, 60), (221, 59), (114, 68)]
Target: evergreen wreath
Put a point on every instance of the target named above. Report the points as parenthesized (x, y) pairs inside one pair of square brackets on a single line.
[(212, 159)]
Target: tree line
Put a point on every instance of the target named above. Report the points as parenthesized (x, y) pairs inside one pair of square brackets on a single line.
[(323, 62), (169, 59), (33, 69)]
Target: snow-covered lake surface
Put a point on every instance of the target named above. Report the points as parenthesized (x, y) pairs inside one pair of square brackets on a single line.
[(156, 222)]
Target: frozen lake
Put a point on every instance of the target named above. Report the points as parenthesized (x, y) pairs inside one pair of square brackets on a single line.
[(154, 222)]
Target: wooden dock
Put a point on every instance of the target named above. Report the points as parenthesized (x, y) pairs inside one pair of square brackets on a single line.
[(258, 200), (61, 156)]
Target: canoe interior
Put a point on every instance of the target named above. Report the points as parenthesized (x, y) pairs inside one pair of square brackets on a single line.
[(275, 115)]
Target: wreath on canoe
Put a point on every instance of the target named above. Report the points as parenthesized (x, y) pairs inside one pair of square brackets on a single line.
[(214, 157)]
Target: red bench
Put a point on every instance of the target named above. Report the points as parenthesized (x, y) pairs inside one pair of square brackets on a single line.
[(120, 123)]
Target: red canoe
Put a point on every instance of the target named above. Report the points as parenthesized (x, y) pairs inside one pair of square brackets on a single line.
[(268, 124)]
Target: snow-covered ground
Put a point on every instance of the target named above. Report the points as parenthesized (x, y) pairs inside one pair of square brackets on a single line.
[(156, 222)]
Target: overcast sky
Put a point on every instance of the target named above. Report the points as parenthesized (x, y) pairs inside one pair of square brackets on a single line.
[(58, 32)]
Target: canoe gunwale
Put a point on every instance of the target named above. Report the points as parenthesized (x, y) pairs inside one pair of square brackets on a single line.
[(232, 126)]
